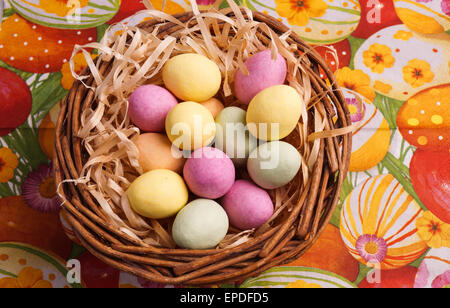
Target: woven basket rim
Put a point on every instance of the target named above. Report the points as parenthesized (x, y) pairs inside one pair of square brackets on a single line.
[(204, 267)]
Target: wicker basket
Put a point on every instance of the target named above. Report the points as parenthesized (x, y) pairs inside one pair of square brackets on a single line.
[(288, 238)]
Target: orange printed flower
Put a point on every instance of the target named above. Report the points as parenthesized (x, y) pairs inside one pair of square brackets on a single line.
[(417, 73), (382, 87), (433, 231), (378, 57), (8, 163), (61, 7), (403, 35), (80, 63), (298, 12), (28, 278), (355, 80), (301, 284)]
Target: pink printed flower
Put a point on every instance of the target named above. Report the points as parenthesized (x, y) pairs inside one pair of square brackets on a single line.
[(441, 281), (356, 110), (371, 248), (39, 190), (445, 5), (422, 276), (205, 2)]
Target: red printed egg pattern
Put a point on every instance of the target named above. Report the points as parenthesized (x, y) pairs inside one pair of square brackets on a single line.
[(424, 120), (378, 224)]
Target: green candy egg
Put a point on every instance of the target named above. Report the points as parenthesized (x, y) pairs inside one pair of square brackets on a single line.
[(233, 136), (274, 164), (202, 224)]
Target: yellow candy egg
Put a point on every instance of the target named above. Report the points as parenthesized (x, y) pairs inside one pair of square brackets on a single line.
[(190, 126), (192, 77), (158, 194), (274, 112)]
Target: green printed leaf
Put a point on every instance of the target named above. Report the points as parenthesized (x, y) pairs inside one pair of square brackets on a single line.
[(47, 95), (355, 44)]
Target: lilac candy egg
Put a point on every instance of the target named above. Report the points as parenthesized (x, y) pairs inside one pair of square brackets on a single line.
[(263, 73), (149, 106), (247, 205), (209, 173)]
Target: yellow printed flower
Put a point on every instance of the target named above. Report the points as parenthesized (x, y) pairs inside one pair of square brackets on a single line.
[(298, 12), (28, 278), (355, 80), (417, 73), (61, 7), (8, 163), (378, 57), (80, 63), (403, 35), (301, 284), (433, 231), (382, 87)]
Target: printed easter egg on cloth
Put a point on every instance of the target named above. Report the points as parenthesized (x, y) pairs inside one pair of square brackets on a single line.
[(335, 61), (424, 16), (378, 224), (401, 63), (37, 49), (424, 120), (434, 271), (297, 277), (68, 14), (23, 266), (372, 137)]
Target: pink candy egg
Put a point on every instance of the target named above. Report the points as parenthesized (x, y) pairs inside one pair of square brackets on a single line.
[(263, 73), (209, 173), (149, 106), (247, 205)]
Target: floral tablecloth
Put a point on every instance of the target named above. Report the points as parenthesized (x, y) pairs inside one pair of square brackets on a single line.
[(394, 213)]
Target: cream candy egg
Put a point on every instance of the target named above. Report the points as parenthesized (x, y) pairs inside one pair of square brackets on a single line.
[(274, 112), (192, 77), (158, 194), (372, 137), (202, 224), (401, 62), (190, 126), (427, 17), (149, 106), (157, 152), (233, 136), (274, 164), (263, 72), (247, 205)]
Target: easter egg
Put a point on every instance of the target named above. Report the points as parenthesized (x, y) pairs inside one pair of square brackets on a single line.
[(378, 224), (376, 15), (16, 101), (233, 136), (157, 152), (202, 224), (424, 120), (397, 72), (321, 22), (149, 106), (39, 49), (247, 205), (209, 173), (274, 112), (274, 164), (190, 126), (434, 271), (192, 77), (127, 9), (430, 176), (23, 266), (213, 105), (343, 54), (297, 277), (263, 72), (400, 278), (158, 194), (80, 14), (329, 253), (428, 17), (370, 141)]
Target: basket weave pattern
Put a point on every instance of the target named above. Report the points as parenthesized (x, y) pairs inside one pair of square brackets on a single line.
[(289, 237)]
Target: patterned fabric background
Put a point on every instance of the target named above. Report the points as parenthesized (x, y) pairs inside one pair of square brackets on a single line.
[(395, 206)]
